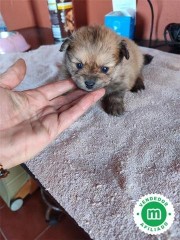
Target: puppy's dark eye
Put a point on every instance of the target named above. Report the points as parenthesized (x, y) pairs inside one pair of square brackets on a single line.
[(104, 69), (79, 65)]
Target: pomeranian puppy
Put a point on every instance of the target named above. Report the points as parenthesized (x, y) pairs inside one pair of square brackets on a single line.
[(96, 57)]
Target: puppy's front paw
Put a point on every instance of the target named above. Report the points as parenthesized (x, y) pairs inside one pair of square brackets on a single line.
[(115, 108), (113, 103)]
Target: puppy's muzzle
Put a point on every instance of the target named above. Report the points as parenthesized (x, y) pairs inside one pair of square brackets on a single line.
[(89, 83)]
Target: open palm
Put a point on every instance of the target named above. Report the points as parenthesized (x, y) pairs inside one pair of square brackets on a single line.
[(31, 119)]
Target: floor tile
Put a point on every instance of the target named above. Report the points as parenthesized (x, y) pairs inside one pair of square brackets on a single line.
[(27, 222), (1, 235), (2, 203), (66, 229)]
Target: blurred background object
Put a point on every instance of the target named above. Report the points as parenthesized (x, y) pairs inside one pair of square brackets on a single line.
[(16, 186), (53, 11), (122, 19), (11, 41), (2, 24), (33, 13), (62, 18)]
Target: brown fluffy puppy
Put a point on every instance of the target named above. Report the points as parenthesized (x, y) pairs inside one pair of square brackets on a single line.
[(96, 57)]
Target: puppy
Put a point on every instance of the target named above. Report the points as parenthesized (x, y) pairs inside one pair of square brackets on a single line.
[(96, 57)]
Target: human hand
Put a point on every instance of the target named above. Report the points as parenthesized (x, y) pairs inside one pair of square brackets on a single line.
[(30, 120)]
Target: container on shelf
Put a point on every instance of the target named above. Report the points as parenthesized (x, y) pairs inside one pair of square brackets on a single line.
[(62, 18)]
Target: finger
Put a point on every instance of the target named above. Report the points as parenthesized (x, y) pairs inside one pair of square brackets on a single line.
[(14, 75), (71, 115), (69, 105), (62, 101), (55, 89)]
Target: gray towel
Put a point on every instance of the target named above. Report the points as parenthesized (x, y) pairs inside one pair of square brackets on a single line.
[(101, 165)]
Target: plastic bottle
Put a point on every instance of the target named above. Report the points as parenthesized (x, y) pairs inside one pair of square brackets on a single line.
[(52, 6), (3, 27), (66, 17), (62, 19)]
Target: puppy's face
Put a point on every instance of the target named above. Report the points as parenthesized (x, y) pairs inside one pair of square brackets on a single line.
[(92, 55)]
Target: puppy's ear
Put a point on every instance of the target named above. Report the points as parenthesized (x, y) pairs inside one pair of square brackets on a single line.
[(65, 45), (123, 51)]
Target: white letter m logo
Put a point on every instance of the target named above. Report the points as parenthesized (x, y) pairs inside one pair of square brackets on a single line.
[(154, 214)]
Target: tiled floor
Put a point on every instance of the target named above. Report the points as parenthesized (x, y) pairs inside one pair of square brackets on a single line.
[(28, 223)]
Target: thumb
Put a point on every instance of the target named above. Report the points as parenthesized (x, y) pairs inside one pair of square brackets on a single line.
[(14, 75)]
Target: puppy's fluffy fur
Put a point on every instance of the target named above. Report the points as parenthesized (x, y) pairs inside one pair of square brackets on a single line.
[(96, 57)]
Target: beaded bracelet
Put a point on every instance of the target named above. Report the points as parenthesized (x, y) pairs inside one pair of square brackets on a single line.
[(3, 172)]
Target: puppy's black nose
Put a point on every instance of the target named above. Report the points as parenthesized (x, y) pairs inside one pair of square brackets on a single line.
[(89, 83)]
